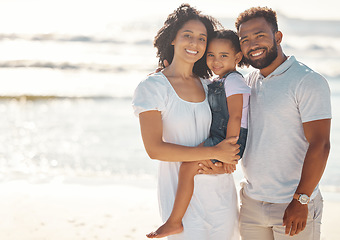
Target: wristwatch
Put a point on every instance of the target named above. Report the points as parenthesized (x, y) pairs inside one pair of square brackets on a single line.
[(302, 198)]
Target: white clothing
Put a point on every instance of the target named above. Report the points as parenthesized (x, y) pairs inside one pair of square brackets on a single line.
[(212, 213), (276, 146), (235, 84)]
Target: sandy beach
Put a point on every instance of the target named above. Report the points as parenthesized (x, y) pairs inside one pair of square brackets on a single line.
[(76, 211), (90, 209)]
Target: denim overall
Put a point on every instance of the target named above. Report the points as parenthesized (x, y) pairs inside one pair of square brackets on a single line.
[(220, 116)]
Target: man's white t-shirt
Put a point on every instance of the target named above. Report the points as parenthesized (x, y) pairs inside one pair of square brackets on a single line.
[(276, 146)]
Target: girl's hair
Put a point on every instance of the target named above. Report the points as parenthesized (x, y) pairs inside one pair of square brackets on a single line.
[(234, 40), (174, 22)]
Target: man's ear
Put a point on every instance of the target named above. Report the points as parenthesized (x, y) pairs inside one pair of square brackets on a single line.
[(278, 37)]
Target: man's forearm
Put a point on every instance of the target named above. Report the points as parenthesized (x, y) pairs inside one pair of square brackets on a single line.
[(313, 167)]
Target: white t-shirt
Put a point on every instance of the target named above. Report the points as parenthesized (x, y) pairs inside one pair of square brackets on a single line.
[(235, 84), (212, 213), (276, 146)]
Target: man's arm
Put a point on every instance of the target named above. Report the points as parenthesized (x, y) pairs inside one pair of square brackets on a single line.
[(317, 134)]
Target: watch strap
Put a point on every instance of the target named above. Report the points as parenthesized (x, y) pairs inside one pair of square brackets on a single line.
[(297, 197)]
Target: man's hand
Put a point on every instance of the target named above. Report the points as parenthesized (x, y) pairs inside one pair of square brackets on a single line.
[(207, 167), (295, 217)]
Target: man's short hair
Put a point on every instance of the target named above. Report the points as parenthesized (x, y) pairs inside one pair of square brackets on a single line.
[(257, 12)]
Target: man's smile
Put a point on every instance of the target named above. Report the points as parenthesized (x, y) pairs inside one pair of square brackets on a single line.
[(256, 53)]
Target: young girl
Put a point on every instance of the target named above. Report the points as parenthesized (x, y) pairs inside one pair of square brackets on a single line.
[(228, 99)]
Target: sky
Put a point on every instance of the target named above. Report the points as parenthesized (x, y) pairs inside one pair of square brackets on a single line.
[(306, 9), (45, 16)]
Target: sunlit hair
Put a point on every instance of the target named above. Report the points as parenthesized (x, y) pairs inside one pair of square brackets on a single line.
[(234, 40), (256, 12), (174, 22)]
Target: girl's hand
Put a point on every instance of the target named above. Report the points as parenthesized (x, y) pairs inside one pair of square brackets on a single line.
[(229, 168)]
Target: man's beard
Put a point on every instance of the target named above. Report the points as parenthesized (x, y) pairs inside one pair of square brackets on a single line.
[(266, 61)]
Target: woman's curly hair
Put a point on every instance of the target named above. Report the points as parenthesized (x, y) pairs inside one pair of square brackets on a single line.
[(235, 42), (174, 22), (256, 12)]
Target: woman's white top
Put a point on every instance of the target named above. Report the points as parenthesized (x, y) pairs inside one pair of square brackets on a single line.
[(212, 213)]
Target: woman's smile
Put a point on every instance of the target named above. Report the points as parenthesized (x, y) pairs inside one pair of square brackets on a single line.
[(191, 51)]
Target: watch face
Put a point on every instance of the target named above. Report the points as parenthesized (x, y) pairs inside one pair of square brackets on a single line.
[(304, 199)]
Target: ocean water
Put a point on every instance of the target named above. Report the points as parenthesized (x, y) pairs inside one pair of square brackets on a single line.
[(65, 95)]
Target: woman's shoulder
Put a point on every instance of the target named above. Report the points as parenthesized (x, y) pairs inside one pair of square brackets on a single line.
[(150, 94), (155, 81), (154, 78)]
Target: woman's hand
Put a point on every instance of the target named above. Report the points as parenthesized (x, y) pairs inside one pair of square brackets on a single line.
[(207, 167)]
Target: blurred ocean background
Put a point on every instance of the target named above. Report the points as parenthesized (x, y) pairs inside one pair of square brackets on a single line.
[(68, 70)]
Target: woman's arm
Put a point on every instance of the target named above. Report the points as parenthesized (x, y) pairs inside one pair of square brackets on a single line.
[(152, 133)]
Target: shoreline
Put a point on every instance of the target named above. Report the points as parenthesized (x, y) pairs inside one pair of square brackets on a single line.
[(98, 210)]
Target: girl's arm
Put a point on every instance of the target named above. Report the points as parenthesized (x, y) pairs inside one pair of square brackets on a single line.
[(235, 106), (152, 132)]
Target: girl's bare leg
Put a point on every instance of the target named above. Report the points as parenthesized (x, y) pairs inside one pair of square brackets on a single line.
[(185, 189)]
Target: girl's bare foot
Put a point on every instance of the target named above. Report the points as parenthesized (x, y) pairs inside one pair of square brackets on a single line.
[(166, 229)]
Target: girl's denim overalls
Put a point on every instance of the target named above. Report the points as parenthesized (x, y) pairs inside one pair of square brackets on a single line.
[(220, 116)]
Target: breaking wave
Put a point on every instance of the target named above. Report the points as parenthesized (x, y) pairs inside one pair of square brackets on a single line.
[(95, 67), (69, 38)]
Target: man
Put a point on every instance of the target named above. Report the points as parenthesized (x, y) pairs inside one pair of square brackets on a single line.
[(288, 142)]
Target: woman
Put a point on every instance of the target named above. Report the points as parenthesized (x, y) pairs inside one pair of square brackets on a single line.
[(175, 117)]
